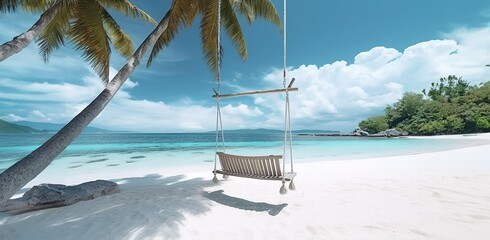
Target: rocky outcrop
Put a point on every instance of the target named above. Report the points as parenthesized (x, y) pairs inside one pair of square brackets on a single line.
[(390, 133), (57, 195), (358, 132)]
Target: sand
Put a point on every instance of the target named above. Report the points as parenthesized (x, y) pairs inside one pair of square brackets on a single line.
[(437, 195)]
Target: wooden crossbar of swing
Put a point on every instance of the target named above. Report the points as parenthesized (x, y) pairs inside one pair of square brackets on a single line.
[(254, 92), (258, 167), (289, 88)]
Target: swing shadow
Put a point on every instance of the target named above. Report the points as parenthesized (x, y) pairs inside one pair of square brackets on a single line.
[(239, 203)]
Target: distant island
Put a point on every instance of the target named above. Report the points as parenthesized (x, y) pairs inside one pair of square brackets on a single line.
[(37, 127), (266, 130), (6, 127), (358, 132)]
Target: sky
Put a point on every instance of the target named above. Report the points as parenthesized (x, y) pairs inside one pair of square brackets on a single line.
[(350, 60)]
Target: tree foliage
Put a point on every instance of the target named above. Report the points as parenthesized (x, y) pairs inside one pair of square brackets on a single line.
[(87, 24), (230, 25), (448, 88), (374, 124), (451, 106)]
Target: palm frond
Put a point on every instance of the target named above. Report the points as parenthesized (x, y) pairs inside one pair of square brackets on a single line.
[(127, 8), (164, 39), (88, 35), (36, 6), (245, 10), (26, 5), (259, 8), (181, 13), (52, 38), (121, 41), (9, 5), (233, 29), (249, 8), (209, 33)]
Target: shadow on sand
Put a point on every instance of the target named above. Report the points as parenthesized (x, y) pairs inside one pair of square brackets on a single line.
[(147, 207), (243, 204)]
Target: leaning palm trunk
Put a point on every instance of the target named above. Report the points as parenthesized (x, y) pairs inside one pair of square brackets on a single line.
[(23, 40), (22, 172)]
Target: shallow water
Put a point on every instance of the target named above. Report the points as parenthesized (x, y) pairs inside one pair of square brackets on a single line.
[(111, 150)]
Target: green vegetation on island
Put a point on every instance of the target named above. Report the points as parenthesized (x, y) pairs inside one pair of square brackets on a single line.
[(451, 106), (6, 127)]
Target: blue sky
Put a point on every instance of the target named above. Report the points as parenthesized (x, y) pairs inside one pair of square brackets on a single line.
[(350, 59)]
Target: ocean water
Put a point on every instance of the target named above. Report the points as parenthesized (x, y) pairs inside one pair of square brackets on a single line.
[(126, 150)]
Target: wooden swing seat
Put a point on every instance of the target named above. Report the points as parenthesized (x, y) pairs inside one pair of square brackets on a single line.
[(258, 167)]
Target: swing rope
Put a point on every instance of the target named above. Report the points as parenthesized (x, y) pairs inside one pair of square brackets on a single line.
[(287, 111), (219, 122)]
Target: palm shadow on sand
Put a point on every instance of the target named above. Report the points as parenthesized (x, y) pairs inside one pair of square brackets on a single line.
[(148, 207)]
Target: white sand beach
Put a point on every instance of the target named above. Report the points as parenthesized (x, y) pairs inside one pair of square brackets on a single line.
[(436, 195)]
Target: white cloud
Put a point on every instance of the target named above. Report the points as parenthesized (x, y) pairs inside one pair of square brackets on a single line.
[(332, 96), (12, 118), (241, 110), (341, 94), (376, 57), (32, 91), (123, 112), (57, 92), (143, 115), (36, 114)]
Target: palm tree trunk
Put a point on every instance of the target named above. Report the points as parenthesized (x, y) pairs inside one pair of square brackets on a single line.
[(23, 40), (26, 169)]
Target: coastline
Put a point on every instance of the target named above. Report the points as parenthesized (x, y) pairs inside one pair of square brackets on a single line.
[(432, 195)]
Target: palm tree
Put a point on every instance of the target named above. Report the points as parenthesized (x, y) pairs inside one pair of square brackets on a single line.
[(250, 9), (181, 13), (87, 23)]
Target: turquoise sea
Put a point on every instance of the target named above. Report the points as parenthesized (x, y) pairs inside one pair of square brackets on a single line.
[(114, 150)]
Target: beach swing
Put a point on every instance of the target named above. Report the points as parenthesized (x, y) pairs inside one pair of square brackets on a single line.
[(255, 167)]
